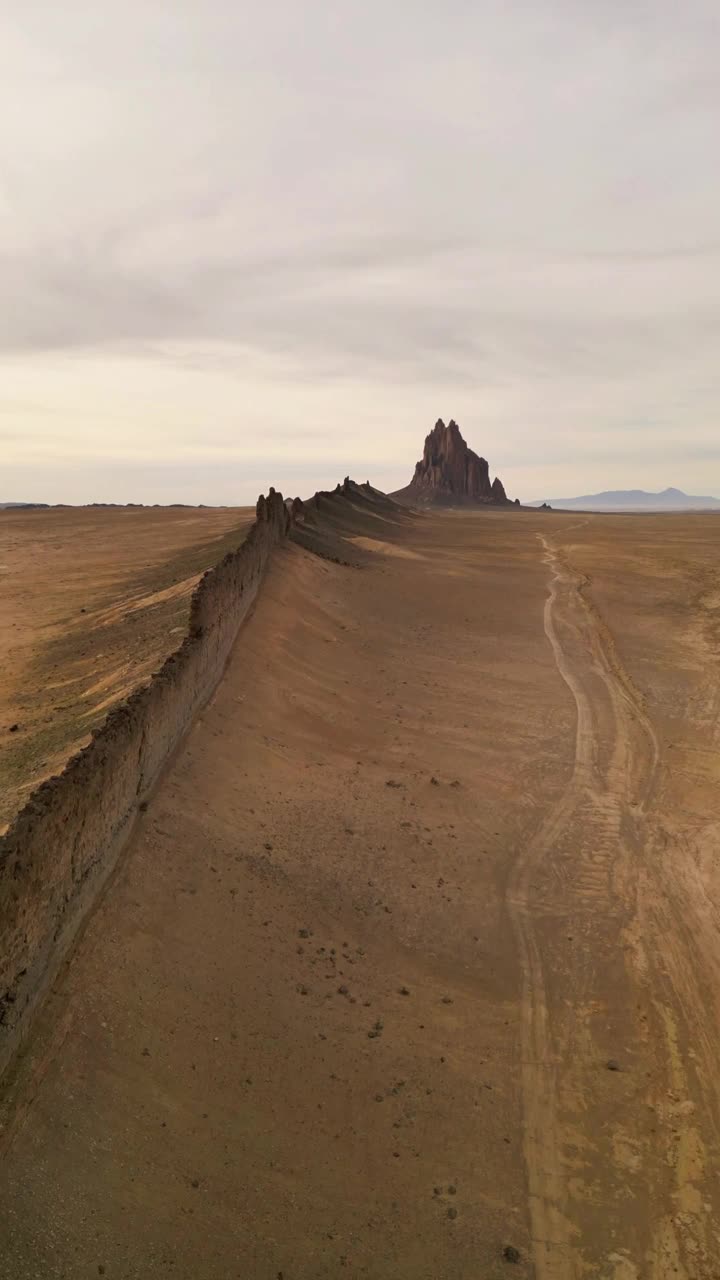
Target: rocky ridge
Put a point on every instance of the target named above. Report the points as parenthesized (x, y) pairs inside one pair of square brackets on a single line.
[(451, 474)]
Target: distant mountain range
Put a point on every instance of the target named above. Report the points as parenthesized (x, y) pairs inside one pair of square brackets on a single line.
[(7, 506), (632, 500)]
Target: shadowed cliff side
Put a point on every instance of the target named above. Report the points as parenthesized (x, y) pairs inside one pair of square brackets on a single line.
[(61, 847), (331, 519)]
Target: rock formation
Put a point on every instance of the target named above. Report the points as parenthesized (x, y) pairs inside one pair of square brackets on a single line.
[(450, 474)]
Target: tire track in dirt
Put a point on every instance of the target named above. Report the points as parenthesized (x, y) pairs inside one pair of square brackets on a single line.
[(676, 959), (551, 1229), (594, 854)]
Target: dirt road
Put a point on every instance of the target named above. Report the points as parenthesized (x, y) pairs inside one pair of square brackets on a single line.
[(618, 940), (610, 978), (412, 969)]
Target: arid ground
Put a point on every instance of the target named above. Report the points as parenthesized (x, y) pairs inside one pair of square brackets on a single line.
[(412, 967), (91, 601)]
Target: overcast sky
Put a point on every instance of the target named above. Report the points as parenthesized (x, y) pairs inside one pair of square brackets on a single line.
[(244, 244)]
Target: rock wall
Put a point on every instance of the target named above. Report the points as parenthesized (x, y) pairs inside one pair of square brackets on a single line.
[(450, 474), (64, 843)]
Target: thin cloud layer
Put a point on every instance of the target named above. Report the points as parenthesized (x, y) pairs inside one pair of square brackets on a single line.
[(244, 244)]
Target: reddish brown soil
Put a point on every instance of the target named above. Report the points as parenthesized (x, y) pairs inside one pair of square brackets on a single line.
[(91, 602), (442, 846)]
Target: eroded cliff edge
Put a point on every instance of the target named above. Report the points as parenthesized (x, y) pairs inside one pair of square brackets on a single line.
[(64, 843)]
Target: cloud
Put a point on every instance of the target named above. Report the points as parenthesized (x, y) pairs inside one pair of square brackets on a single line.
[(338, 223)]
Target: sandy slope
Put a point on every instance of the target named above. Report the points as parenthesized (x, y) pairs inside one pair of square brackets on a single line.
[(443, 845)]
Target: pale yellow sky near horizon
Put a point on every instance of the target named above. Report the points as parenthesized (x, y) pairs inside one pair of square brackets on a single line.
[(221, 429)]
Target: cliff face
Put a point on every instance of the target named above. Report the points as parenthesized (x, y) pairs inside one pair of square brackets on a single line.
[(62, 846), (450, 474)]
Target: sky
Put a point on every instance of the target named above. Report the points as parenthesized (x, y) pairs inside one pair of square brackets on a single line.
[(244, 245)]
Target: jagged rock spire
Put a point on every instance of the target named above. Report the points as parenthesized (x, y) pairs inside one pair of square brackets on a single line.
[(449, 473)]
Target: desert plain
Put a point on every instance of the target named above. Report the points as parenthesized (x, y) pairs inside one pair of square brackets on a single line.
[(412, 965), (92, 599)]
